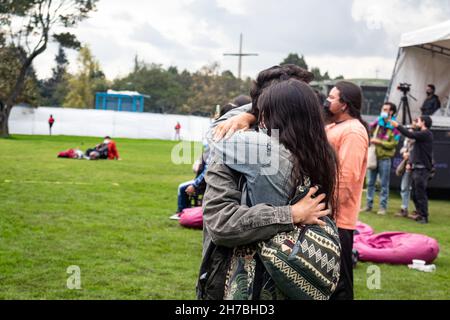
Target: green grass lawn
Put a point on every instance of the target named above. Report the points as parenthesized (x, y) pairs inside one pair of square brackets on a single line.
[(110, 218)]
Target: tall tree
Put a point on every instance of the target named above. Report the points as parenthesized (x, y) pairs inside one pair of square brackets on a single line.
[(54, 89), (165, 87), (294, 58), (38, 20), (9, 70), (318, 76), (83, 85), (211, 88), (172, 91)]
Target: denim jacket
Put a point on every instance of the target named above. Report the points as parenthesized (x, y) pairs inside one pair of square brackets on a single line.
[(266, 165)]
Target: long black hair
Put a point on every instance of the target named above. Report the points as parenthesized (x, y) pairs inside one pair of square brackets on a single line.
[(293, 108), (351, 95)]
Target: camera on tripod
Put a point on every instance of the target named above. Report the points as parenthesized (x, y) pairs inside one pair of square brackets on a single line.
[(404, 103), (404, 87)]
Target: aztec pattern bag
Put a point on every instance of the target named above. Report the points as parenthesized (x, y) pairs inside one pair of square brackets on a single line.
[(305, 263)]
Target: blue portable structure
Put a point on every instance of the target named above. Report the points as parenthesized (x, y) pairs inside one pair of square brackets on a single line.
[(120, 101)]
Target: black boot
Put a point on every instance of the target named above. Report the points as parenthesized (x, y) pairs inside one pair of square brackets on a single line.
[(422, 220)]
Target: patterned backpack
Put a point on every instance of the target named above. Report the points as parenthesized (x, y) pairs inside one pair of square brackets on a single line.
[(304, 264)]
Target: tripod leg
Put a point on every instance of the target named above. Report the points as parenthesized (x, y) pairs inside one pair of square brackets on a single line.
[(409, 111), (403, 108)]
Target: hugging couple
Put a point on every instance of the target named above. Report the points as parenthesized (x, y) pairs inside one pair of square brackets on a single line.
[(263, 155)]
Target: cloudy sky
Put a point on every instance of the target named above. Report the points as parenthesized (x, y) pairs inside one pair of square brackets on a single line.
[(356, 38)]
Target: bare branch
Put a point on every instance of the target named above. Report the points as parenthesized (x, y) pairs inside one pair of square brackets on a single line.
[(56, 13), (48, 12), (42, 43)]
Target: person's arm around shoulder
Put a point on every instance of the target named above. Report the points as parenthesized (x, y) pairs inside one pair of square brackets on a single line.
[(231, 224), (233, 121)]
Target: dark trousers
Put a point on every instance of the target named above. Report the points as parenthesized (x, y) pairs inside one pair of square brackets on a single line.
[(419, 191), (344, 290)]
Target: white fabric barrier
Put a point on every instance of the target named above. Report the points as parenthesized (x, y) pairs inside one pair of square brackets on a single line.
[(420, 68), (100, 123), (424, 58)]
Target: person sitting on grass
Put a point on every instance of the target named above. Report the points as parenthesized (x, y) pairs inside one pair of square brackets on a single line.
[(106, 150), (113, 154), (100, 151), (193, 189)]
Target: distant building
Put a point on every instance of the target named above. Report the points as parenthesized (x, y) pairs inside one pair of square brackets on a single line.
[(130, 101)]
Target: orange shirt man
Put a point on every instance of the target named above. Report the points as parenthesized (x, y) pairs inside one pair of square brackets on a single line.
[(350, 141), (348, 134)]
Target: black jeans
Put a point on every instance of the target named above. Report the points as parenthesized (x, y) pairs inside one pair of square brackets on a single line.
[(419, 191), (344, 290)]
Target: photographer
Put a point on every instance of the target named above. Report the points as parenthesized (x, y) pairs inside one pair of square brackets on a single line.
[(421, 162), (431, 103)]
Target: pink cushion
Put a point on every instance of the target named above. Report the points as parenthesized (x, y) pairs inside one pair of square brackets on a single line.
[(363, 229), (192, 218), (395, 247)]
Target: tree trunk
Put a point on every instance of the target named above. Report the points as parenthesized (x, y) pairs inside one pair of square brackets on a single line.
[(18, 87), (20, 82), (4, 129)]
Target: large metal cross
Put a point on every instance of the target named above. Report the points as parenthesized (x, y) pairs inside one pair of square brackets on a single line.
[(240, 55)]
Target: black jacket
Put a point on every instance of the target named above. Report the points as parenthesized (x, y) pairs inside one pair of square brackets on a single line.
[(430, 105), (422, 152)]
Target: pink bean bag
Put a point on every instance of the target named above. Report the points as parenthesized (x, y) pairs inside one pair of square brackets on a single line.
[(192, 218), (363, 229), (394, 247)]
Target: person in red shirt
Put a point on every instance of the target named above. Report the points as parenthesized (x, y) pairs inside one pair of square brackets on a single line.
[(177, 131), (113, 154), (51, 121)]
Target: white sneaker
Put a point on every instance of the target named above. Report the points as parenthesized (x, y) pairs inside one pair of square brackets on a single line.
[(176, 216)]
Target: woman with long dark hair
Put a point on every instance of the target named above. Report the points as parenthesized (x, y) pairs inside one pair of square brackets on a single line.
[(292, 147), (292, 108)]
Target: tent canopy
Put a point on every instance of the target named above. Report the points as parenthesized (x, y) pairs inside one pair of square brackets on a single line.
[(438, 35), (424, 58)]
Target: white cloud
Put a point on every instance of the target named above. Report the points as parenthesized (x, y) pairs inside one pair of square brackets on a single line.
[(399, 16), (354, 67), (338, 37), (233, 6)]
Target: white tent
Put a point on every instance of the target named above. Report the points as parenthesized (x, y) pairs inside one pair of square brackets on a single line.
[(423, 58)]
